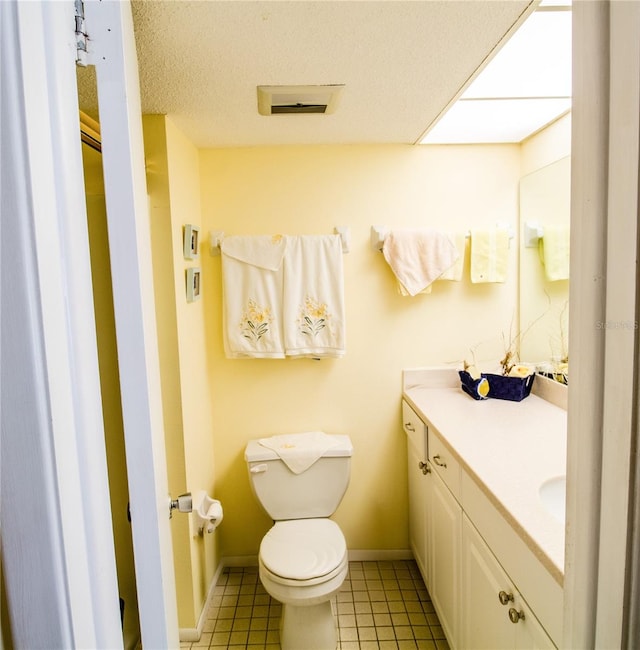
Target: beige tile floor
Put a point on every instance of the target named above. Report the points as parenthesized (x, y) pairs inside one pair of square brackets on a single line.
[(381, 606)]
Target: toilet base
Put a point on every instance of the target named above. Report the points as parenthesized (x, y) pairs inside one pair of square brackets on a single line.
[(308, 628)]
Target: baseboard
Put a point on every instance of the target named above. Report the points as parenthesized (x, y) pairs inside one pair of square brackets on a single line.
[(192, 634), (379, 555), (240, 560)]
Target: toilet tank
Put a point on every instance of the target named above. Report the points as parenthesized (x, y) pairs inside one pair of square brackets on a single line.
[(316, 492)]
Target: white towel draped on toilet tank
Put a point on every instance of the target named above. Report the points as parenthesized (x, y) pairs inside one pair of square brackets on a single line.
[(299, 451), (283, 296)]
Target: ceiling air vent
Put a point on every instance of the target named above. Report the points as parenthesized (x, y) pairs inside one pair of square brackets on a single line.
[(279, 100)]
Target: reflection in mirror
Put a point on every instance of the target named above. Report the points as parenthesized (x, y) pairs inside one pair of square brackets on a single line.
[(545, 197)]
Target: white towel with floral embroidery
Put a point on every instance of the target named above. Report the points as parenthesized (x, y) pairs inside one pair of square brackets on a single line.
[(313, 297), (252, 283)]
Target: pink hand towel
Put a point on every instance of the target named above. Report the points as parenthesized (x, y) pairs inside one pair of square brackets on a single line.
[(418, 257)]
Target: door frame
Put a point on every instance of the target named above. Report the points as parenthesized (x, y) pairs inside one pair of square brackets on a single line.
[(603, 418), (57, 543), (113, 53)]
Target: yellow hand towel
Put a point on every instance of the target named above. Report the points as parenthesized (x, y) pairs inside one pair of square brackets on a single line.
[(489, 255), (554, 252), (454, 273)]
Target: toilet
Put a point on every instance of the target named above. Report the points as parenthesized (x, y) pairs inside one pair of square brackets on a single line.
[(303, 557)]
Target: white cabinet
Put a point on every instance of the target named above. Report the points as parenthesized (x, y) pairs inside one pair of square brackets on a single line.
[(418, 489), (444, 537), (540, 589), (465, 570), (495, 614)]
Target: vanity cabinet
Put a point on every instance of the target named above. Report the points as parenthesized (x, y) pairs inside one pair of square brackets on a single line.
[(468, 572), (496, 617)]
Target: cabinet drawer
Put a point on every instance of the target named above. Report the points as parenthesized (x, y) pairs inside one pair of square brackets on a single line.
[(415, 429), (443, 462)]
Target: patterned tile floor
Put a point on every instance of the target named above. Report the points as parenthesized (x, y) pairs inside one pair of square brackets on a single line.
[(381, 606)]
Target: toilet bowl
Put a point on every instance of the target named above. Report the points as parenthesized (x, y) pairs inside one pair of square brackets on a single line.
[(303, 558), (302, 564)]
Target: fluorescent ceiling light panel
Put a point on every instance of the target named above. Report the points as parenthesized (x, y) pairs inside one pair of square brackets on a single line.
[(525, 87), (555, 3), (483, 121), (536, 62)]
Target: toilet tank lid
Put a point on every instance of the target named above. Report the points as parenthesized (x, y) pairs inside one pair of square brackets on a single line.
[(255, 452)]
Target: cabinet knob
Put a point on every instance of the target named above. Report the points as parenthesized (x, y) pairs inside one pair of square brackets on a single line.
[(505, 598), (409, 427), (515, 615), (438, 461), (424, 467)]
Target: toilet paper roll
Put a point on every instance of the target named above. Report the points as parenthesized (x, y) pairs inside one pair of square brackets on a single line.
[(214, 516)]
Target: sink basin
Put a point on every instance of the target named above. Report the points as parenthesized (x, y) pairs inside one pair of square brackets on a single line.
[(552, 495)]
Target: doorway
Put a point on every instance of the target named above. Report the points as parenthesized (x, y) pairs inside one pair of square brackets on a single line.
[(109, 377)]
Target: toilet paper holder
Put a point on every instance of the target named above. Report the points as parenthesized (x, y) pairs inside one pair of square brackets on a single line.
[(207, 512)]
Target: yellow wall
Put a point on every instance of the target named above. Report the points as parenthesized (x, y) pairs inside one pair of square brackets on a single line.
[(193, 343), (547, 146), (173, 186), (311, 189)]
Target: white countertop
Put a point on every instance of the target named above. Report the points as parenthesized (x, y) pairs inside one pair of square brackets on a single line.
[(508, 448)]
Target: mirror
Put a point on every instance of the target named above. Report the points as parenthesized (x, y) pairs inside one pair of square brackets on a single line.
[(545, 199)]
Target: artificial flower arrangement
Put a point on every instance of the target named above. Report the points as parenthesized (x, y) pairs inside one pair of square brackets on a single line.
[(514, 383), (515, 379)]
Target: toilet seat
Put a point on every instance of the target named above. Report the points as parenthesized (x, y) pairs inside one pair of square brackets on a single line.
[(303, 551)]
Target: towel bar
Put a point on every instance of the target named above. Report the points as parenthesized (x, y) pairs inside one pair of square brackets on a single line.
[(379, 233), (216, 237)]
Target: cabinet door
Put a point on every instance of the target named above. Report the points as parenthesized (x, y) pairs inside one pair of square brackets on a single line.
[(485, 621), (418, 486), (530, 635), (444, 534)]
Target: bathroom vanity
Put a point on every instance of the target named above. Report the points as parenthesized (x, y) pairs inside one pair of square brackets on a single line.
[(486, 498)]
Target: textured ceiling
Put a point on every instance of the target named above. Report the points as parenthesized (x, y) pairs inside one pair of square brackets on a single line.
[(402, 64)]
